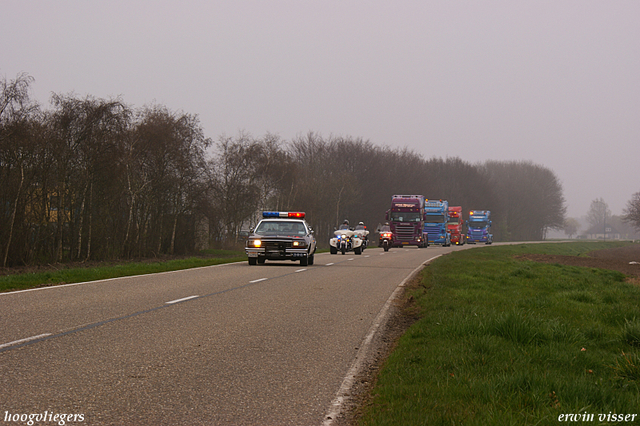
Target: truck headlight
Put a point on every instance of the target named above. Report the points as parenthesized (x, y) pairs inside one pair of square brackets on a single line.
[(299, 244), (256, 243)]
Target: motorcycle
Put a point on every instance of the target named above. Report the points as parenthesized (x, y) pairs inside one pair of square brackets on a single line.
[(386, 240), (345, 240), (363, 234)]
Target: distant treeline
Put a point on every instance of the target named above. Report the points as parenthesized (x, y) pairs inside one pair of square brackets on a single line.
[(95, 179)]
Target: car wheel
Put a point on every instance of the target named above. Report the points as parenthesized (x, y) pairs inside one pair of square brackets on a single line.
[(253, 260), (311, 260), (261, 259), (304, 261)]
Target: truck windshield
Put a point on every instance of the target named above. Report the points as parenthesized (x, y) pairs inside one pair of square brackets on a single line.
[(405, 217), (434, 219), (477, 225)]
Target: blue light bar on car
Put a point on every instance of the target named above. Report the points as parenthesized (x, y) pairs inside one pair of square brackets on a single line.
[(299, 215)]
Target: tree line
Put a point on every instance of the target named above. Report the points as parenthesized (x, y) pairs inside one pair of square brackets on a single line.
[(96, 179), (600, 219)]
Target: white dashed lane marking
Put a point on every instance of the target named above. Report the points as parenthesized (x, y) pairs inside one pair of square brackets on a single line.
[(181, 300), (16, 342)]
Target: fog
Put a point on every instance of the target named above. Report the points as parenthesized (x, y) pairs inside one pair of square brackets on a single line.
[(554, 82)]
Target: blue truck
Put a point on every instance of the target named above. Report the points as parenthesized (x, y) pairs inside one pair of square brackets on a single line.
[(479, 227), (436, 216)]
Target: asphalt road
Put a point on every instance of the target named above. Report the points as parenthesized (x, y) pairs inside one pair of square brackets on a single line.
[(222, 345)]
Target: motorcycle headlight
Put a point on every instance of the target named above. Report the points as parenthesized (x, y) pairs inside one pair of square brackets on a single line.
[(344, 236)]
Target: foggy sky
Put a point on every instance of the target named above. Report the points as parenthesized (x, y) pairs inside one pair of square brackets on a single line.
[(554, 82)]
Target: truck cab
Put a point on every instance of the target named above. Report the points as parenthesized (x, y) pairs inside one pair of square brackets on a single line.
[(479, 227), (455, 225), (406, 220), (435, 222)]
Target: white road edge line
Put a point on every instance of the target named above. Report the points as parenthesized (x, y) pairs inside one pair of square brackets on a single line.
[(16, 342), (329, 264), (181, 300), (8, 293), (258, 280), (301, 270), (345, 389)]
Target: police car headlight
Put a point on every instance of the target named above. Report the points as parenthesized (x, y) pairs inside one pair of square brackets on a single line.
[(256, 243), (299, 244)]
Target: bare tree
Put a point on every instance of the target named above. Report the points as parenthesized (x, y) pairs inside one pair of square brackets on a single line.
[(16, 147), (599, 213), (235, 181), (164, 174), (15, 104), (571, 226), (632, 211), (87, 135)]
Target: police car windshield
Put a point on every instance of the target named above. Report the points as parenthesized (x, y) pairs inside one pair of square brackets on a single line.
[(269, 227)]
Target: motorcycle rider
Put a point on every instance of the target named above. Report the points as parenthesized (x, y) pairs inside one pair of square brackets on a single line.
[(345, 225), (383, 229), (365, 235)]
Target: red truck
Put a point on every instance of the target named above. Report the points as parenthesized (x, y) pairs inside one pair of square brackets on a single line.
[(455, 225)]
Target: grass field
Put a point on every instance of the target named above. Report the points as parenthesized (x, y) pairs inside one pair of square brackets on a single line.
[(508, 342), (83, 274)]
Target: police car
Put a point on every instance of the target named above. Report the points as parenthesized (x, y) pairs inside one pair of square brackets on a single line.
[(281, 236)]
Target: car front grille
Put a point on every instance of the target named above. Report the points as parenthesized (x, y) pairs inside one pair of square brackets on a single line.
[(276, 245)]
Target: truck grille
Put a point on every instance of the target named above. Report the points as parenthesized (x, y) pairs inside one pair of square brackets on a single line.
[(404, 233)]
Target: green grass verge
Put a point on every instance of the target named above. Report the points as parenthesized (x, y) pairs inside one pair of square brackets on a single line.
[(508, 342), (76, 275)]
